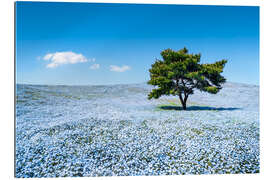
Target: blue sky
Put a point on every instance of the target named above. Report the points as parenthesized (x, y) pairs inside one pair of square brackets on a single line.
[(90, 43)]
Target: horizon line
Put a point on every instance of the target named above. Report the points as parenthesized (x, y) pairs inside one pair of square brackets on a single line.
[(113, 84)]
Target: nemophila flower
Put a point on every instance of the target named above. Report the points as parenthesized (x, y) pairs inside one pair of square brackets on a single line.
[(109, 134)]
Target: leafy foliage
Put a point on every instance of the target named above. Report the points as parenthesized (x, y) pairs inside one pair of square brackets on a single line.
[(179, 73)]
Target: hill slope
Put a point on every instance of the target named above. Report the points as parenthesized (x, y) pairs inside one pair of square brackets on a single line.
[(115, 130)]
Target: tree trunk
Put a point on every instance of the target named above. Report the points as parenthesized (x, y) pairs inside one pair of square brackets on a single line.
[(184, 104), (183, 101)]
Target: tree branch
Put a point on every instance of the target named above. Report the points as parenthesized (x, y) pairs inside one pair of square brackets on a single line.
[(181, 98)]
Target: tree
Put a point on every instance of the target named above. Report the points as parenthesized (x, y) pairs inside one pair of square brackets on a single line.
[(179, 73)]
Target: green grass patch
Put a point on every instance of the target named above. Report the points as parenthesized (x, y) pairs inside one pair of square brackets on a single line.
[(197, 131)]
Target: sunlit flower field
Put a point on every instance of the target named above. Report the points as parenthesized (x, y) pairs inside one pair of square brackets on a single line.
[(115, 130)]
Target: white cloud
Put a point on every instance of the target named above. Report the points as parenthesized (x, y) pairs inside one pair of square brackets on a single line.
[(60, 58), (95, 66), (119, 69), (47, 57)]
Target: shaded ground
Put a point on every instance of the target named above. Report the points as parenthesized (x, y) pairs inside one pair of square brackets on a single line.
[(196, 108), (115, 130)]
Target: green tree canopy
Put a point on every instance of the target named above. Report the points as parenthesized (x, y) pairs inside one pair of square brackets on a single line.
[(179, 73)]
